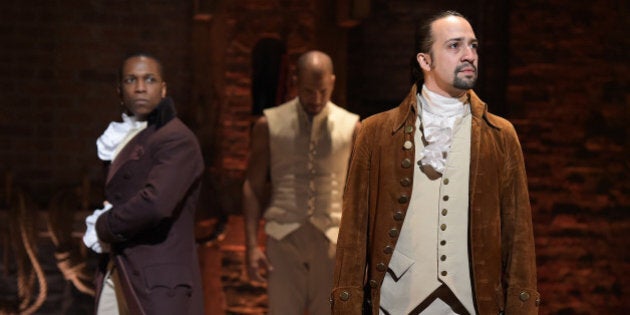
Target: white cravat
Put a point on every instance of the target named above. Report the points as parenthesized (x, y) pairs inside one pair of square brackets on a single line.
[(116, 135), (439, 116)]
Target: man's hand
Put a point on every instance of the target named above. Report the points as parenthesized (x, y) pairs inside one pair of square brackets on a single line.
[(256, 259)]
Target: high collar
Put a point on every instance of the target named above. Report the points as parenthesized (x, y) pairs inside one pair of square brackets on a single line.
[(163, 113), (408, 109)]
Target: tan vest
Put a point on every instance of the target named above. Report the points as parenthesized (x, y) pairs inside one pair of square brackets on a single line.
[(309, 161), (432, 248)]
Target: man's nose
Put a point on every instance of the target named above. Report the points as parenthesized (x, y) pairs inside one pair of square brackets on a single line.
[(470, 54), (141, 86), (319, 97)]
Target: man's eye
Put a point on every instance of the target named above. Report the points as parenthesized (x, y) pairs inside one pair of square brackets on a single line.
[(150, 80), (453, 45), (474, 45), (129, 80)]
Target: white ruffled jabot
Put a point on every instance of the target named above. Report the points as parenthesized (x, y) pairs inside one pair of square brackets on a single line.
[(108, 144), (439, 117)]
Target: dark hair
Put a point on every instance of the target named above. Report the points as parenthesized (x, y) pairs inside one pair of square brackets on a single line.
[(423, 41), (140, 54)]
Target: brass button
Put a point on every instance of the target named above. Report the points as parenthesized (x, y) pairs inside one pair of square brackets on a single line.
[(408, 145), (344, 296), (444, 273), (393, 232), (403, 199), (444, 211), (443, 227), (442, 242), (409, 129), (388, 249), (405, 182), (381, 267), (446, 181), (524, 296), (406, 163), (399, 216), (443, 257), (445, 198), (373, 283)]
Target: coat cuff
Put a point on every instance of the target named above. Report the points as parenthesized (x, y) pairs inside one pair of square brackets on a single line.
[(346, 300), (522, 301), (104, 231)]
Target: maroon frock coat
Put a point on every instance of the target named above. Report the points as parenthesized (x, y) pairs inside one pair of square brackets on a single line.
[(153, 186)]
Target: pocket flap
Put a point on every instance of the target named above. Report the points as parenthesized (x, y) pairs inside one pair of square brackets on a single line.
[(168, 275), (399, 264)]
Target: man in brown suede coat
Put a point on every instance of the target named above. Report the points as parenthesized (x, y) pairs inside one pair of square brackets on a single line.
[(436, 213)]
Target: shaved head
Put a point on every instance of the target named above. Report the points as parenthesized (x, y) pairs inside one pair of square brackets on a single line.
[(314, 63), (315, 81)]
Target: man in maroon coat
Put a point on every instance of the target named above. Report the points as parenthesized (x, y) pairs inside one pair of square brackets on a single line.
[(145, 230)]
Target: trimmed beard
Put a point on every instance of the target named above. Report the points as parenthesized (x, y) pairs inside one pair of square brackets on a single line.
[(464, 84)]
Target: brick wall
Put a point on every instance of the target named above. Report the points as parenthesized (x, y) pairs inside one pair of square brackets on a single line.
[(568, 92), (57, 80)]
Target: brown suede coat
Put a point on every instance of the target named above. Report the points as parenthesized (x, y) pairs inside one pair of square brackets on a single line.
[(377, 195)]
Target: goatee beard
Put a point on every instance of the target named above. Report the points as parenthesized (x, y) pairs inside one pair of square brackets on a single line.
[(464, 84)]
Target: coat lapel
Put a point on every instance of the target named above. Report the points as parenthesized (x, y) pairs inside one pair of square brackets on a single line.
[(132, 151)]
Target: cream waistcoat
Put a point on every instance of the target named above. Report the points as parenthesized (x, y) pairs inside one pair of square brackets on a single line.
[(309, 161), (432, 248)]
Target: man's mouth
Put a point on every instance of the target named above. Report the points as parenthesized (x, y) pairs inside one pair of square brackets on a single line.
[(467, 69), (140, 102)]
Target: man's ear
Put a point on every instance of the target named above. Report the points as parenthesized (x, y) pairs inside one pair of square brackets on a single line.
[(424, 60), (163, 89)]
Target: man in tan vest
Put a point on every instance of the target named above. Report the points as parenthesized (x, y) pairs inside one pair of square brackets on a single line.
[(303, 146)]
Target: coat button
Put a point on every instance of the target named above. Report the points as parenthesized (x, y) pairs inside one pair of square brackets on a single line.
[(443, 227), (399, 216), (388, 249), (445, 181), (409, 129), (393, 232), (405, 182), (381, 267), (403, 199), (344, 296), (406, 163), (445, 198), (373, 283), (443, 257), (408, 145), (444, 273), (524, 296), (444, 211)]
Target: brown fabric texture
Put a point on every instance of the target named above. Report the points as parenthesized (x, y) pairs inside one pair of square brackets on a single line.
[(377, 195), (153, 186)]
